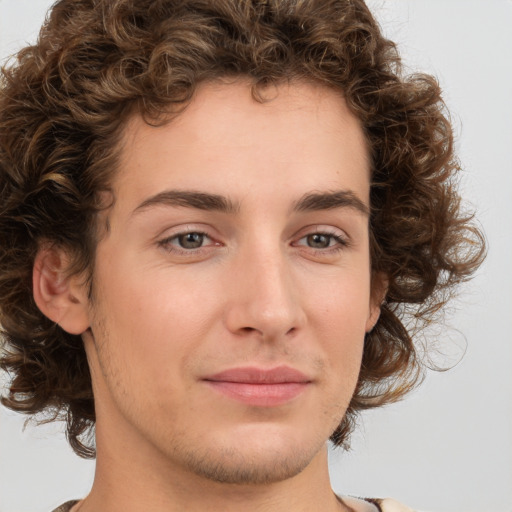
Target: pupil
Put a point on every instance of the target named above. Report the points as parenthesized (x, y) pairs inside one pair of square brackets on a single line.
[(318, 241), (191, 240)]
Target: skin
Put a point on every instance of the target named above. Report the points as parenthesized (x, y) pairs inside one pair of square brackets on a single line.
[(262, 283)]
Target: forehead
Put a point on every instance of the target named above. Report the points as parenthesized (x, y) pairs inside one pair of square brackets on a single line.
[(225, 135)]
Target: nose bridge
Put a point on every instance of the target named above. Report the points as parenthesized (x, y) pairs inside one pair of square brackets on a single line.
[(264, 297)]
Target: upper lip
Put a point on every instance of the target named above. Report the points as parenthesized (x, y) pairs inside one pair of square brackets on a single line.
[(254, 375)]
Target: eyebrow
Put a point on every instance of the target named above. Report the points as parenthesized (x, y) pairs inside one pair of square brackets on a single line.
[(331, 200), (315, 201), (190, 199)]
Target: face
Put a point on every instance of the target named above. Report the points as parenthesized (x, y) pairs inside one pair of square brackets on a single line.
[(232, 290)]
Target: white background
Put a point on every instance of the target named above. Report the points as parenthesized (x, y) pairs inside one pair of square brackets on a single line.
[(448, 447)]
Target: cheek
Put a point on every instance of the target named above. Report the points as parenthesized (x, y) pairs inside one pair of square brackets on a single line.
[(338, 313), (156, 322)]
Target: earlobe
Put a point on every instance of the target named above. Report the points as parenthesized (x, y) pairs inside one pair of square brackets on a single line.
[(379, 290), (59, 297), (373, 317)]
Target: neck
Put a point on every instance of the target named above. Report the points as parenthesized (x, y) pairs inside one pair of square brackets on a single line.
[(136, 479)]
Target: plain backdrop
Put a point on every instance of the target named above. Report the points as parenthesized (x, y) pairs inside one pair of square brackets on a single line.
[(448, 447)]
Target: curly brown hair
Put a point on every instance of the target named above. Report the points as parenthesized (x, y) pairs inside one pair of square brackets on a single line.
[(65, 100)]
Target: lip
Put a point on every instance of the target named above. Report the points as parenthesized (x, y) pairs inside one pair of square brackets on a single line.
[(260, 387)]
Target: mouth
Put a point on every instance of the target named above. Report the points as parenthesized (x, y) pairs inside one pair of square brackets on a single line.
[(260, 387)]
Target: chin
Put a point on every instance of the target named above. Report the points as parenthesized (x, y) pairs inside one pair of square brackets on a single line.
[(260, 457), (235, 467)]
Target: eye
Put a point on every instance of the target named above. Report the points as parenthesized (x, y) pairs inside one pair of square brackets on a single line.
[(188, 241), (319, 240), (322, 241)]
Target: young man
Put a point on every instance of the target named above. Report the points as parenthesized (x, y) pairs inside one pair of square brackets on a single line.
[(214, 218)]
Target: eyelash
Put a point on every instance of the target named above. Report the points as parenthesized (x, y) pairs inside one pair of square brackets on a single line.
[(170, 247), (341, 243)]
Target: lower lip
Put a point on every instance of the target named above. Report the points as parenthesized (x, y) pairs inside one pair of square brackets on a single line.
[(261, 395)]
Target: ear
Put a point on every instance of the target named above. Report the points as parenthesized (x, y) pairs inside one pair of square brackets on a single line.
[(60, 297), (379, 289)]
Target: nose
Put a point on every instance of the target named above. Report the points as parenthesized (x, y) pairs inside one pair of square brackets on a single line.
[(264, 299)]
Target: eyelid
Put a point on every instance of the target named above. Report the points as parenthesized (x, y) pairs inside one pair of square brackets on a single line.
[(164, 241), (340, 237), (323, 229), (183, 229), (176, 236)]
